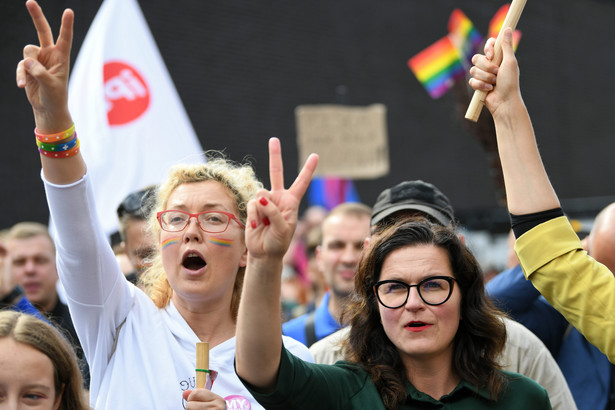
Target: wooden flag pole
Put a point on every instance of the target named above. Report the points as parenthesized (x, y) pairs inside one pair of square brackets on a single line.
[(511, 20), (202, 364)]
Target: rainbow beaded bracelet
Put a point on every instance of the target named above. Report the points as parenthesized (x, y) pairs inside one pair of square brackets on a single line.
[(61, 154), (63, 146), (59, 136)]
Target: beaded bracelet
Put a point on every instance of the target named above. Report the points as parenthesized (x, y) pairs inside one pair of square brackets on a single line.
[(59, 136), (63, 146), (61, 154)]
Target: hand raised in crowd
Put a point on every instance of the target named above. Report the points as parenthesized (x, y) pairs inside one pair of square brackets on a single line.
[(43, 73), (44, 70), (272, 215), (501, 82)]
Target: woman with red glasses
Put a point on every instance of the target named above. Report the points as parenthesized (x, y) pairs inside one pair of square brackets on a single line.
[(141, 345)]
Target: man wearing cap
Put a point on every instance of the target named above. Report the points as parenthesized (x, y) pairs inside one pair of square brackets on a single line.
[(344, 230), (523, 353), (411, 199)]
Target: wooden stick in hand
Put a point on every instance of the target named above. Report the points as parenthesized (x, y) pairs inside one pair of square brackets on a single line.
[(202, 364), (511, 20)]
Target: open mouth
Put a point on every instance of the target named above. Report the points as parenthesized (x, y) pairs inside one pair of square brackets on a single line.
[(417, 326), (193, 261)]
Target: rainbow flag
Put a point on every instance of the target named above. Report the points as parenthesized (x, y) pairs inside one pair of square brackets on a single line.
[(496, 23), (438, 67), (464, 35)]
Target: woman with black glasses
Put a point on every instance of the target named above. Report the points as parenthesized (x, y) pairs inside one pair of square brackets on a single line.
[(423, 334), (141, 347)]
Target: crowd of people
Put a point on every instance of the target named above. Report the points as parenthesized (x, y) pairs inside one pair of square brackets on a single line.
[(392, 309)]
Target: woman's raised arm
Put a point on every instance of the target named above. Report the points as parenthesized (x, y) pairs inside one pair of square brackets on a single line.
[(272, 217), (528, 188)]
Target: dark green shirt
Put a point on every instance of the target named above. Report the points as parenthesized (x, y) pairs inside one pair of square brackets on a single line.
[(345, 385)]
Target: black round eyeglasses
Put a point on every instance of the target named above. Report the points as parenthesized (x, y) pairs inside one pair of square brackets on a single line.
[(434, 290)]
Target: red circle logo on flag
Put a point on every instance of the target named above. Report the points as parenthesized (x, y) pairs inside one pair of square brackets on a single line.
[(126, 93)]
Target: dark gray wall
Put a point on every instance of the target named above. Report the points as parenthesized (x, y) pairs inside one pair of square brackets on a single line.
[(241, 67)]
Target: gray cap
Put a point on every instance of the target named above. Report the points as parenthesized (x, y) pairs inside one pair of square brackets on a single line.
[(413, 195)]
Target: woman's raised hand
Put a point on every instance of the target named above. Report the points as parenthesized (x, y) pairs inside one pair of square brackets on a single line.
[(501, 82), (273, 214), (44, 70)]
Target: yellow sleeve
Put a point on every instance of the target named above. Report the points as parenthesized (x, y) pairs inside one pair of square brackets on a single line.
[(579, 287)]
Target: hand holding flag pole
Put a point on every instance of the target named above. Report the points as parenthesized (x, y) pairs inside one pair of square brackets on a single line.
[(511, 20), (202, 364)]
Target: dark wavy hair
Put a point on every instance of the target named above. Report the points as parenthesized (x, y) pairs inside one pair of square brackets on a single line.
[(481, 335)]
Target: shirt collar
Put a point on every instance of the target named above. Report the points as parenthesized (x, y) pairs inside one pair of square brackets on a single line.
[(463, 388)]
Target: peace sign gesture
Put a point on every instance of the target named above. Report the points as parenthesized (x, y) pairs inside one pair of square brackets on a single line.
[(43, 72), (272, 215)]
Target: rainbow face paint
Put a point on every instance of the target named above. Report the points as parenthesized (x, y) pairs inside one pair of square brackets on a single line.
[(169, 242), (220, 241)]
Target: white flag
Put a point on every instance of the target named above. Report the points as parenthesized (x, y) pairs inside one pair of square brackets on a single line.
[(128, 115)]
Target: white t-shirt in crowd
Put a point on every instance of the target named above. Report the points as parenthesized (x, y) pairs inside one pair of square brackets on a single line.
[(152, 360)]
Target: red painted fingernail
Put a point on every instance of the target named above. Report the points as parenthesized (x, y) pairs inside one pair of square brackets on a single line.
[(266, 221), (263, 201), (253, 223)]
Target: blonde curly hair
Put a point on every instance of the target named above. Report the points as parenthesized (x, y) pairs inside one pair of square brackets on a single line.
[(242, 184)]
